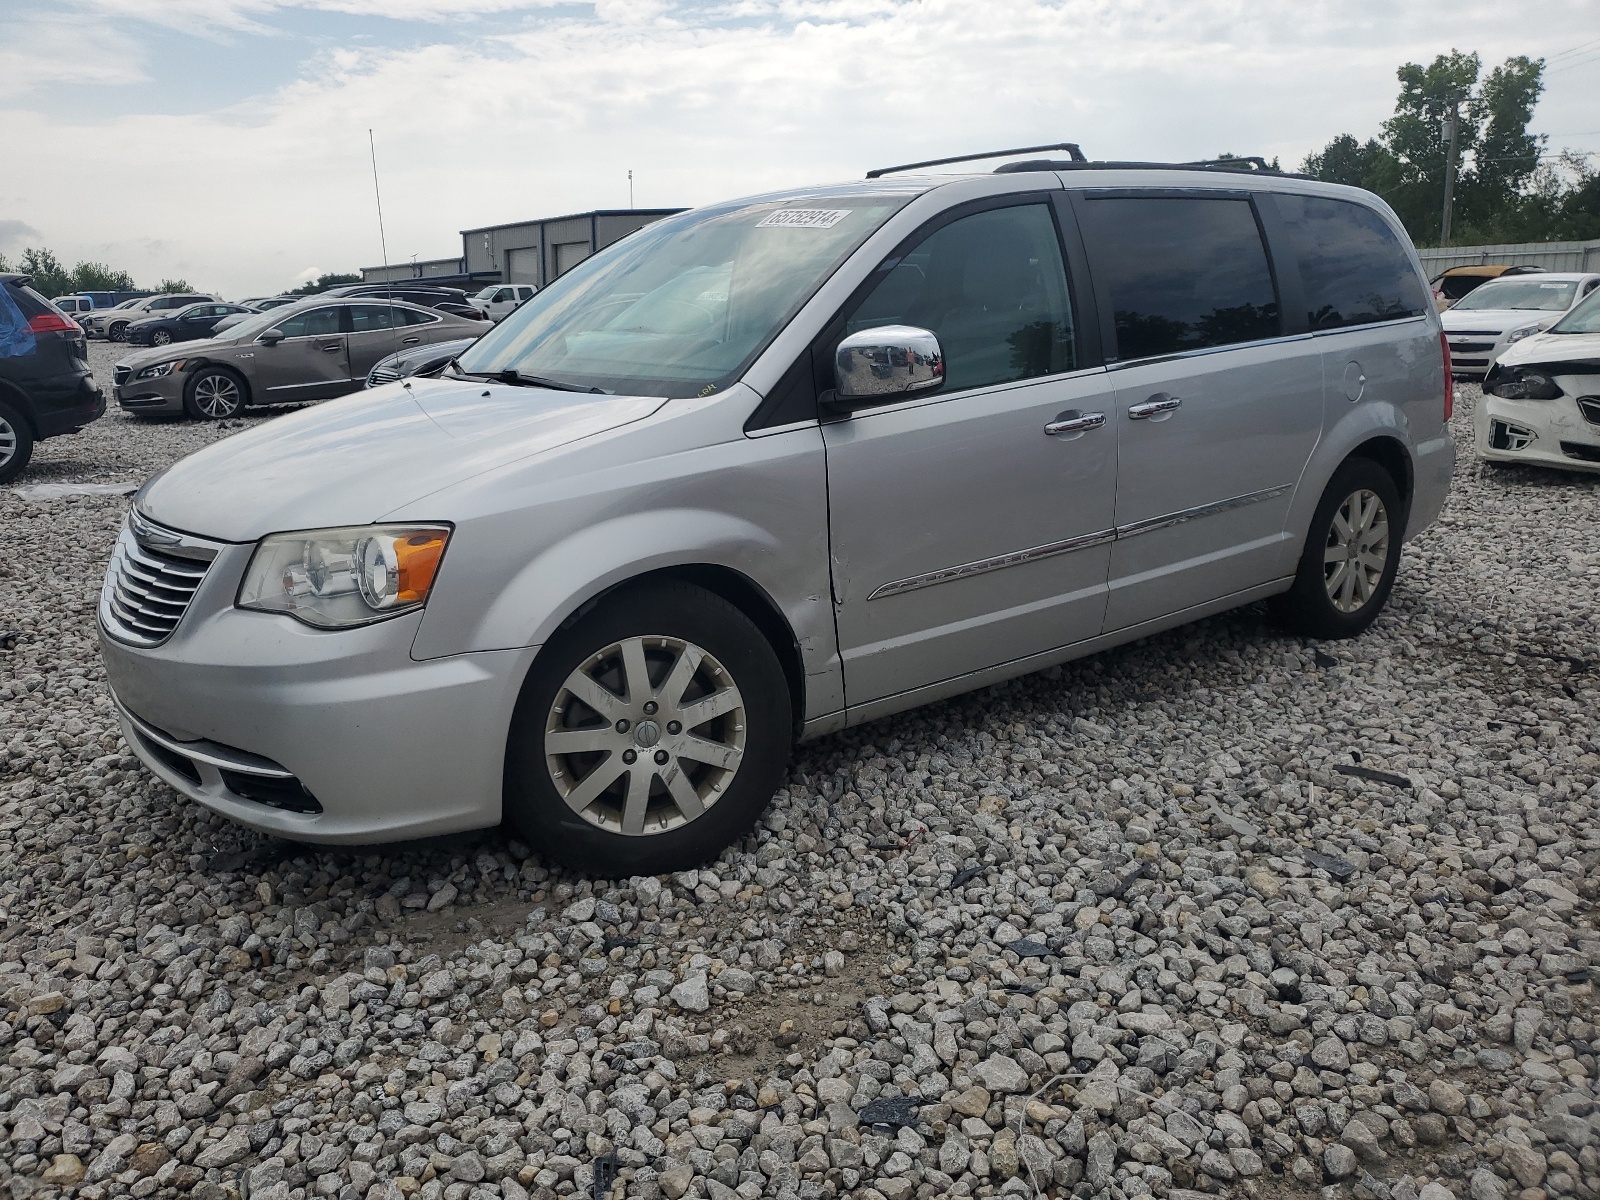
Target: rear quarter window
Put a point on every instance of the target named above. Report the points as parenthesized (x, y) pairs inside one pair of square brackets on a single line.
[(1353, 268)]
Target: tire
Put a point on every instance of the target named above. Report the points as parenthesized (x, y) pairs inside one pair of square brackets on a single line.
[(1340, 597), (161, 338), (118, 332), (573, 804), (214, 394), (16, 442)]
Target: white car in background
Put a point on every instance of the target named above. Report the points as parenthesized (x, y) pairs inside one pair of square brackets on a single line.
[(1491, 318), (500, 300), (1541, 400)]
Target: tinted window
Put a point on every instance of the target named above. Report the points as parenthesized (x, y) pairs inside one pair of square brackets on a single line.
[(317, 322), (1353, 268), (1181, 273), (364, 318), (416, 316), (992, 288)]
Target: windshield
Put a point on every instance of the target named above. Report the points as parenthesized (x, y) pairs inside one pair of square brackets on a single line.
[(1583, 319), (487, 293), (683, 306), (1520, 293), (253, 324)]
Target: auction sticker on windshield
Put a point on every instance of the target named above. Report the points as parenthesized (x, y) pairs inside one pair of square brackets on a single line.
[(805, 218)]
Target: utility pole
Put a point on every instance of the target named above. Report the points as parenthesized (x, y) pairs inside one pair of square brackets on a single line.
[(1451, 123), (630, 187)]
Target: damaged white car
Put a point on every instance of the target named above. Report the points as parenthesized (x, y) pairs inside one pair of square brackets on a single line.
[(1541, 399), (1491, 319)]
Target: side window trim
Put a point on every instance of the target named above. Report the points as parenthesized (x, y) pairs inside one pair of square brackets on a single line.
[(789, 404), (1277, 268)]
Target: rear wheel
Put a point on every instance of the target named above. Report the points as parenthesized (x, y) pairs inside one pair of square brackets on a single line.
[(213, 393), (650, 734), (1351, 556), (16, 443)]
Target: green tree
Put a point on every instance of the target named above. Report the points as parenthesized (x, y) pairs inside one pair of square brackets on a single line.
[(1506, 190), (174, 285), (323, 282), (48, 276), (97, 277)]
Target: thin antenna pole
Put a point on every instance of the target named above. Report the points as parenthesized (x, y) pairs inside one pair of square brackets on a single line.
[(630, 187), (383, 241)]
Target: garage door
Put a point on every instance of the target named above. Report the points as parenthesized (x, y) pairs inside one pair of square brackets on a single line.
[(522, 266), (569, 255)]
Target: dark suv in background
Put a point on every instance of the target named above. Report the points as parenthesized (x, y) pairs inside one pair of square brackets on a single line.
[(46, 387)]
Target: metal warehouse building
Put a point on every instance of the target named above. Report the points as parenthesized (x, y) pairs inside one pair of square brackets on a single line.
[(538, 251), (525, 251)]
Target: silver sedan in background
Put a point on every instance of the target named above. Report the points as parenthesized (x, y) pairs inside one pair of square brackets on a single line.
[(312, 350)]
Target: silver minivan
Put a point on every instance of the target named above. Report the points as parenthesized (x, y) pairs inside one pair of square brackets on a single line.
[(771, 468)]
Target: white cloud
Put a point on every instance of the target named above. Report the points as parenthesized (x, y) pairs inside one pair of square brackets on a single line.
[(51, 47), (704, 103)]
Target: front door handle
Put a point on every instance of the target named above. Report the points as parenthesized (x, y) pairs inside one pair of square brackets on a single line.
[(331, 348), (1158, 407), (411, 341), (1073, 421)]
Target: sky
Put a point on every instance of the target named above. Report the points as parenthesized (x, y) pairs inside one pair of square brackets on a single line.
[(226, 141)]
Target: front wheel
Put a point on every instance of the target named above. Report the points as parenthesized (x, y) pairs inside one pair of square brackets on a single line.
[(16, 443), (650, 734), (213, 393), (1351, 555), (118, 332), (161, 338)]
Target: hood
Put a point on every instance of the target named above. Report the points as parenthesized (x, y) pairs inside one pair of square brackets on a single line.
[(1555, 350), (194, 349), (1498, 319), (350, 461)]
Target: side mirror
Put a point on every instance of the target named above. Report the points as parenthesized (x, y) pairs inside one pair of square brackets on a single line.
[(271, 337), (874, 365)]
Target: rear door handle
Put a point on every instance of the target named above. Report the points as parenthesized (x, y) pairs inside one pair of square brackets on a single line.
[(1158, 407), (1073, 421), (411, 341)]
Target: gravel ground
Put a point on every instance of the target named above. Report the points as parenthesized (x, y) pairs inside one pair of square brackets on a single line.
[(1219, 912)]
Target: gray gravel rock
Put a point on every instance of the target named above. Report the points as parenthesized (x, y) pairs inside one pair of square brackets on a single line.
[(1191, 952)]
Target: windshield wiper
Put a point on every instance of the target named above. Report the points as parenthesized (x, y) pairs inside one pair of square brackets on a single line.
[(511, 375)]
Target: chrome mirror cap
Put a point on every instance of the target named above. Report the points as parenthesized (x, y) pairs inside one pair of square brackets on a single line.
[(891, 360)]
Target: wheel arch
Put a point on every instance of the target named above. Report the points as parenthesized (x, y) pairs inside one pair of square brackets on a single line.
[(207, 363), (1391, 454), (739, 590), (16, 398)]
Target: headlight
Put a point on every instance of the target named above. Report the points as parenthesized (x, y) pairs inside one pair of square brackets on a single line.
[(337, 578), (1513, 383), (1518, 334), (160, 369)]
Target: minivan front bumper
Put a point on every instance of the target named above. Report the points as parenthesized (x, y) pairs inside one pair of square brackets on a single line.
[(318, 736)]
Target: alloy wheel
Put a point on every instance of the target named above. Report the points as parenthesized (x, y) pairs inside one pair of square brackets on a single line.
[(118, 333), (1357, 551), (161, 338), (8, 441), (217, 395), (645, 735)]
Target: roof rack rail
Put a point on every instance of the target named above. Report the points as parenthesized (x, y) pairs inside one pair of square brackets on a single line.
[(1232, 166), (1071, 148)]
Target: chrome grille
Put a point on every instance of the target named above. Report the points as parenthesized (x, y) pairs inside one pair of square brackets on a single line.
[(153, 575), (382, 375), (119, 375)]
